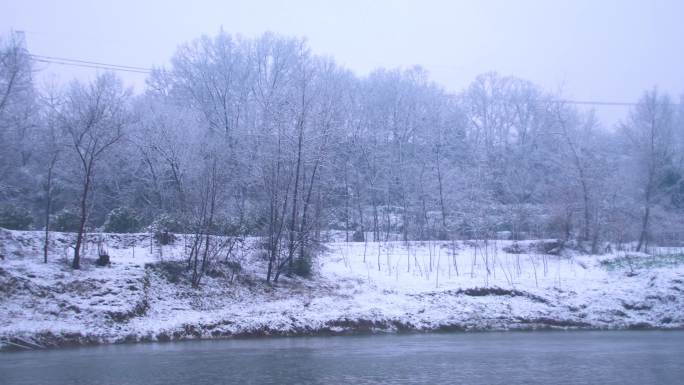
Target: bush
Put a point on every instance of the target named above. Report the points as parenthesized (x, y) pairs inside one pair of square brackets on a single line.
[(15, 218), (121, 220), (173, 271), (303, 266), (163, 228), (166, 223), (66, 221), (164, 237)]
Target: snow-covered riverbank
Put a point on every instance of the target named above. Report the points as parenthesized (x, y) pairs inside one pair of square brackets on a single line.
[(357, 287)]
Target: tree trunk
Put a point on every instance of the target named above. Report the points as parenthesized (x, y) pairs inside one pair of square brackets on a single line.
[(48, 204), (293, 218), (441, 193), (643, 236), (81, 226)]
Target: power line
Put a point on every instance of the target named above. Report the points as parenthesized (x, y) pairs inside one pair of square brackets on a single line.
[(89, 64), (603, 103), (594, 103), (143, 70), (598, 103)]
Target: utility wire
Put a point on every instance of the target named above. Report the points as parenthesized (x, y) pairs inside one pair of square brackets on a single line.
[(594, 103), (89, 64), (143, 70), (598, 103)]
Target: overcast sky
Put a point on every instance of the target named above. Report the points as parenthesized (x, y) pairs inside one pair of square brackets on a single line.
[(589, 50)]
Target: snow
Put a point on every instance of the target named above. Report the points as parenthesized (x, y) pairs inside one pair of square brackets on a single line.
[(357, 287)]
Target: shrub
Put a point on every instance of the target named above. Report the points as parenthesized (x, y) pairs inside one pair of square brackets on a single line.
[(164, 237), (173, 271), (163, 228), (15, 218), (66, 221), (166, 222), (303, 266), (121, 220)]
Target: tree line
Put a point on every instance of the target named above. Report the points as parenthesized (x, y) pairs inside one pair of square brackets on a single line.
[(260, 137)]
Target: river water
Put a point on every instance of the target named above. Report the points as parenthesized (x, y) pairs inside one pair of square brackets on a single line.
[(577, 357)]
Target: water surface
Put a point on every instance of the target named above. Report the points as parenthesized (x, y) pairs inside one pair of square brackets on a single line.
[(586, 357)]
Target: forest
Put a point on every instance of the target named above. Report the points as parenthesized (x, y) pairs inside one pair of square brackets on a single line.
[(260, 137)]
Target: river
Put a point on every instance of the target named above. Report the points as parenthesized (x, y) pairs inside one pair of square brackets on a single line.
[(573, 357)]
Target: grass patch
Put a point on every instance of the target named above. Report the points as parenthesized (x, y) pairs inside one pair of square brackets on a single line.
[(638, 262)]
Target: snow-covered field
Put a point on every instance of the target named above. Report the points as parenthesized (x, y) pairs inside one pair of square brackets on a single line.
[(357, 287)]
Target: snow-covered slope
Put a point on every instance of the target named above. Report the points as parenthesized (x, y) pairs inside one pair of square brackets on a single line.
[(357, 287)]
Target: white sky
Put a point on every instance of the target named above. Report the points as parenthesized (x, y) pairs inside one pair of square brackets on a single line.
[(590, 50)]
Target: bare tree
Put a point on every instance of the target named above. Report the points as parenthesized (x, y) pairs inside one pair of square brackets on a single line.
[(52, 152), (649, 134), (93, 118), (18, 111)]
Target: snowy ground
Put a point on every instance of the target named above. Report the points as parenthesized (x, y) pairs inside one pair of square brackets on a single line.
[(357, 287)]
